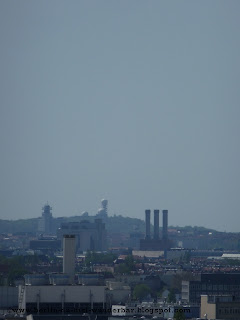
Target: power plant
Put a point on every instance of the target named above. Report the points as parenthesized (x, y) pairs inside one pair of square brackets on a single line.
[(155, 243), (147, 218), (165, 224), (156, 225)]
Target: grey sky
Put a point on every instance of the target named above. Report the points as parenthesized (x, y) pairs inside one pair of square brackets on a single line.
[(134, 101)]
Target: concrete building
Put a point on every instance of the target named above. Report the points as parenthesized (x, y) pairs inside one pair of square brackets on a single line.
[(45, 221), (211, 284), (8, 297), (69, 254), (73, 299), (45, 244), (89, 235), (220, 307), (118, 292), (61, 299)]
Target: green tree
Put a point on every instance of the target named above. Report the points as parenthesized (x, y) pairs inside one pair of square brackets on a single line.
[(171, 296), (129, 261), (141, 291), (127, 266), (179, 316), (93, 257)]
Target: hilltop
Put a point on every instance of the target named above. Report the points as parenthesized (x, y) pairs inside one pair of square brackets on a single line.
[(114, 224)]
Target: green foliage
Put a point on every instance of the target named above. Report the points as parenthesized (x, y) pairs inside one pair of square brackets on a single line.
[(125, 224), (231, 262), (17, 266), (141, 291), (171, 296), (187, 257), (99, 258), (129, 261), (179, 316), (122, 268), (127, 266)]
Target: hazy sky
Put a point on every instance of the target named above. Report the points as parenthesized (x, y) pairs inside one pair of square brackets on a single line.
[(130, 100)]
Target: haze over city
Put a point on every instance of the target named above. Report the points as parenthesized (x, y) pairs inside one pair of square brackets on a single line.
[(133, 101)]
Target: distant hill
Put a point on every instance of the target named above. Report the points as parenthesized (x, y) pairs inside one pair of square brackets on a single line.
[(114, 224), (16, 226)]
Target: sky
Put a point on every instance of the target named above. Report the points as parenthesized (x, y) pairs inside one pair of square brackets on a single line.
[(134, 101)]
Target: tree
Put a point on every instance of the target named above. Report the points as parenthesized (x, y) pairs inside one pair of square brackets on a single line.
[(93, 257), (171, 296), (141, 291), (129, 261), (127, 266), (179, 316)]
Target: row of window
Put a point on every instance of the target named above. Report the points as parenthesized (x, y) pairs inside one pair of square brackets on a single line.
[(214, 287), (229, 311)]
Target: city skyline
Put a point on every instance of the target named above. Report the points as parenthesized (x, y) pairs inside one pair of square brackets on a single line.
[(136, 102)]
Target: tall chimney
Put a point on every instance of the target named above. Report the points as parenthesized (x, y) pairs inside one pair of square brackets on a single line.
[(165, 224), (156, 224), (147, 219), (69, 252)]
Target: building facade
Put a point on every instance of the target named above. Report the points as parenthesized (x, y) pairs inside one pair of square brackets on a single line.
[(89, 235), (45, 221), (211, 284), (220, 307)]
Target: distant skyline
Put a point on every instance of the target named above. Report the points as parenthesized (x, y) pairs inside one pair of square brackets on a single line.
[(133, 101)]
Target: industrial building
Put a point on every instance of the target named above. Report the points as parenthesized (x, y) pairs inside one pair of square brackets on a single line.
[(155, 243), (8, 297), (89, 235), (57, 299), (45, 245), (211, 284)]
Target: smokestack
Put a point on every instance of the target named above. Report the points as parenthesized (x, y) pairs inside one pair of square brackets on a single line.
[(147, 219), (165, 224), (156, 224), (69, 252)]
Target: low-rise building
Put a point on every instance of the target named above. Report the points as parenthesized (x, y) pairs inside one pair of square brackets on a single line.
[(220, 307)]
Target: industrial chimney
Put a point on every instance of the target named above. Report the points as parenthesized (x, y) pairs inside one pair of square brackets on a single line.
[(147, 220), (156, 224), (165, 224), (69, 252)]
